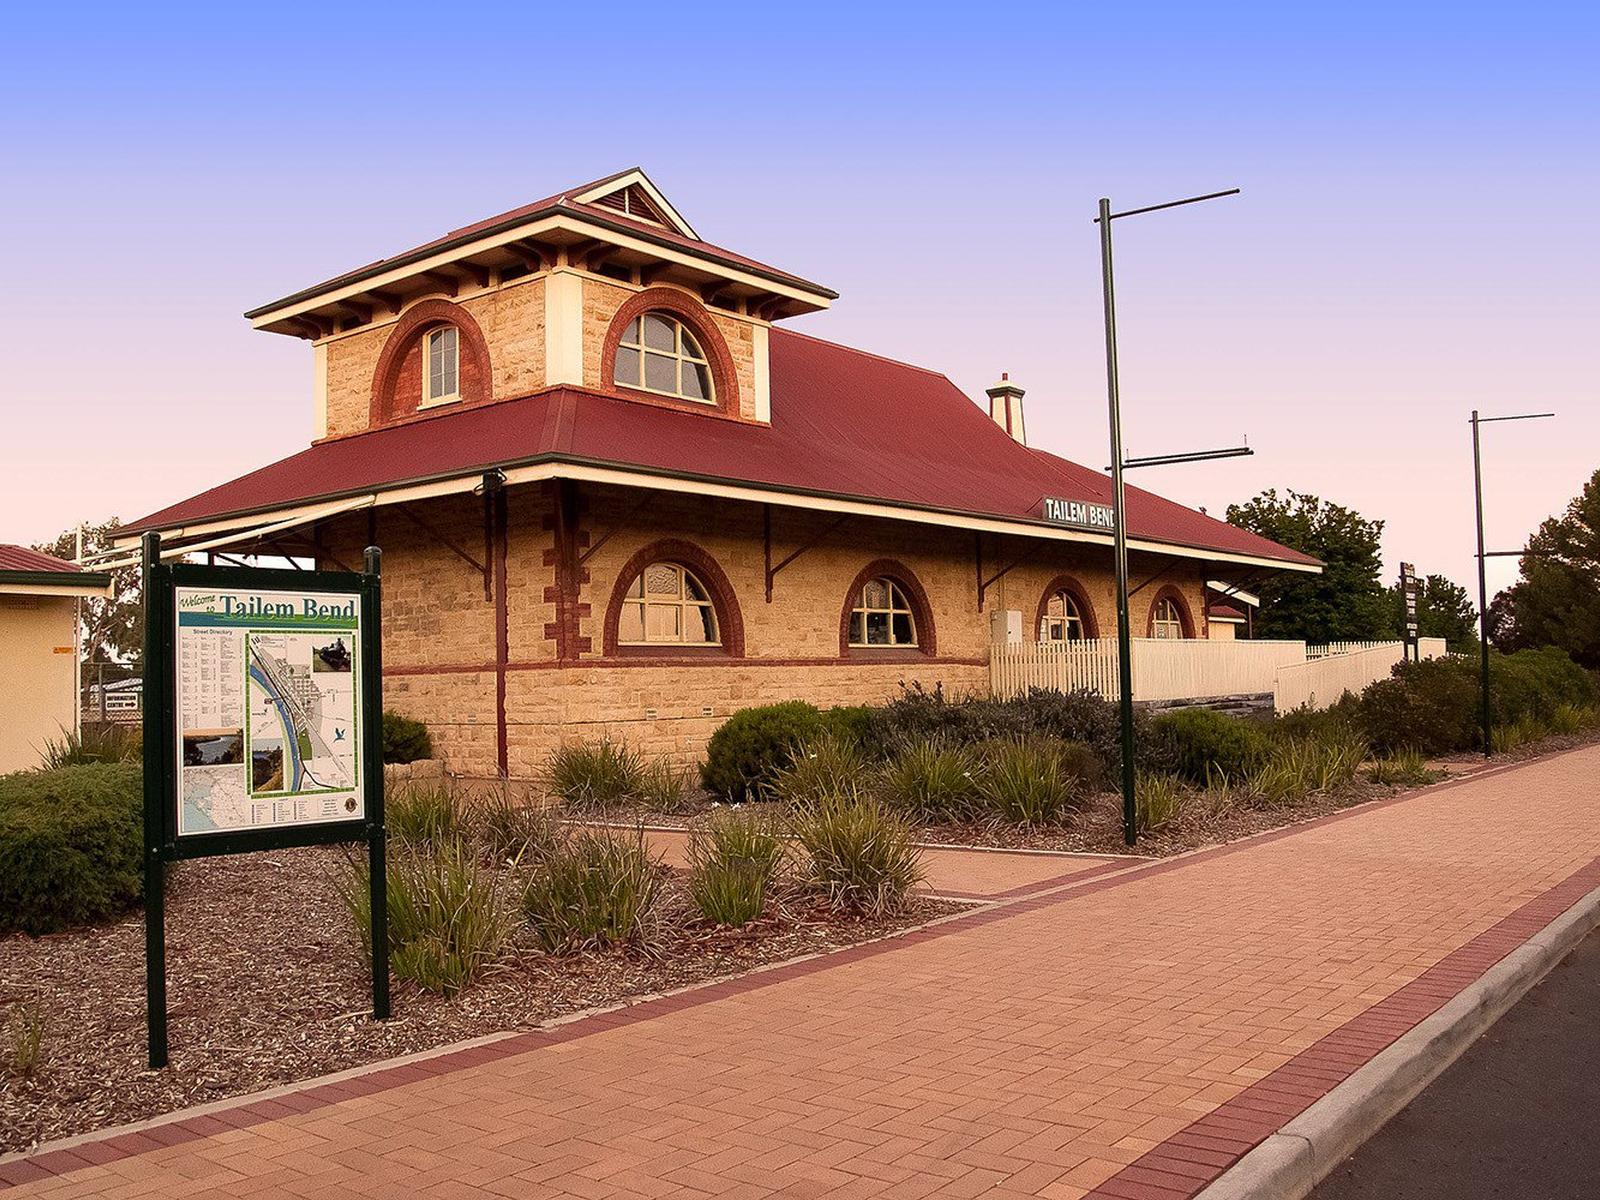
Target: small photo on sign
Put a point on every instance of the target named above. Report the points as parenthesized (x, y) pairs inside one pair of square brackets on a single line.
[(332, 657), (266, 766), (213, 747)]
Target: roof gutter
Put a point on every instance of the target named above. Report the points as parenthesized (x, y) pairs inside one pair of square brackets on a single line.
[(554, 466)]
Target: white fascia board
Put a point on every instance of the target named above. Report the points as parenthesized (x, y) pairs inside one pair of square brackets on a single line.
[(80, 590), (246, 526), (566, 222), (1230, 592)]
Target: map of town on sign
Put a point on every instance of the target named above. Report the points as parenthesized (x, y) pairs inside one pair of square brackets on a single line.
[(267, 707)]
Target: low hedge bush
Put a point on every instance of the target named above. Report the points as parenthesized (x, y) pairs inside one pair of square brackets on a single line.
[(753, 747), (1201, 744), (405, 740), (71, 846)]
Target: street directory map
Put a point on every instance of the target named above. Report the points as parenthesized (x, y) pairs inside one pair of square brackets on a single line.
[(268, 707)]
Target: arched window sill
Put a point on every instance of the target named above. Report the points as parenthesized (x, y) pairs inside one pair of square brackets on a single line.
[(668, 653), (885, 653)]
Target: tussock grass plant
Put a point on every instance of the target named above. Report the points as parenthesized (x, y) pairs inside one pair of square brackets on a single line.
[(1406, 767), (422, 814), (1298, 767), (932, 779), (732, 859), (1157, 801), (586, 776), (665, 787), (822, 765), (1030, 781), (25, 1030), (1515, 734), (1573, 718), (94, 742), (859, 853), (449, 915), (600, 888), (513, 832)]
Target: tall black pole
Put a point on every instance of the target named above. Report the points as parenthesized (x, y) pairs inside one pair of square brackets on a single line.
[(1119, 527), (372, 768), (1483, 596), (156, 783)]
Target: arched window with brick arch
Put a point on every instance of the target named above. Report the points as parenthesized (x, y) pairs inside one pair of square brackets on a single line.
[(1065, 614), (1169, 616), (886, 611), (435, 357), (671, 599), (663, 346)]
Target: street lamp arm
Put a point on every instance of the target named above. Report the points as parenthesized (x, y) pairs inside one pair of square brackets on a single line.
[(1134, 212)]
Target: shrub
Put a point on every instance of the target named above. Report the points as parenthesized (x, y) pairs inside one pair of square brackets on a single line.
[(448, 915), (1079, 716), (599, 888), (821, 765), (590, 775), (1406, 767), (1305, 721), (1029, 781), (932, 779), (751, 748), (859, 854), (1202, 743), (1431, 705), (855, 723), (424, 814), (71, 846), (665, 787), (94, 741), (732, 858), (511, 832), (1157, 801), (405, 740)]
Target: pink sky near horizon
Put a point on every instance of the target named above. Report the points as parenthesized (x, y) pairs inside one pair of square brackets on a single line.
[(1414, 239)]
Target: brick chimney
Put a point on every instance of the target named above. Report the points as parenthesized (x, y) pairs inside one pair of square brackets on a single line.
[(1005, 406)]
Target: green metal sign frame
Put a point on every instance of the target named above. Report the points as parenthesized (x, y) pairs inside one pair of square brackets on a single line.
[(163, 843)]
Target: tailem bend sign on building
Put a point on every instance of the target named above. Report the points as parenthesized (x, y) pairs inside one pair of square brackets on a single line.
[(1078, 513)]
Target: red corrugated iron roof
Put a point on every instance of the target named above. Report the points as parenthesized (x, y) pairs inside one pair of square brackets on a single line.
[(562, 200), (844, 423), (20, 558), (1224, 612)]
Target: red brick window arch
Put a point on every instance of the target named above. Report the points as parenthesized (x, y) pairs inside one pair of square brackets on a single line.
[(1169, 616), (671, 599), (662, 346), (1065, 614), (886, 612), (435, 356)]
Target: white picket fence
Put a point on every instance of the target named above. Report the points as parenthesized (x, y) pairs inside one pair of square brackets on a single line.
[(1163, 669), (1192, 669), (1321, 682)]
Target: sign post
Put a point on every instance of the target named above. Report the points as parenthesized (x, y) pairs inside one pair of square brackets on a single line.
[(1409, 589), (262, 730)]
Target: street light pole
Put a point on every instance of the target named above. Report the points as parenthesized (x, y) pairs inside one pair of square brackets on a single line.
[(1119, 523), (1119, 533), (1484, 717)]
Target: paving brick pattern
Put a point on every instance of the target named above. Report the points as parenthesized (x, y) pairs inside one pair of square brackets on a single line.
[(1124, 1035)]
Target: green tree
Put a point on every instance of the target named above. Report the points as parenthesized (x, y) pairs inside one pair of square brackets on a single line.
[(1346, 602), (1556, 599), (1443, 610), (113, 629)]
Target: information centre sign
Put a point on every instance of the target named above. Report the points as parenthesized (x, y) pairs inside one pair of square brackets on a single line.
[(262, 730)]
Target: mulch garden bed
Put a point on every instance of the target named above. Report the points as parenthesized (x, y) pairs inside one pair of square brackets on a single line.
[(265, 987)]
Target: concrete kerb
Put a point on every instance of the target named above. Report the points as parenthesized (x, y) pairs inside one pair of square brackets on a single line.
[(1291, 1162)]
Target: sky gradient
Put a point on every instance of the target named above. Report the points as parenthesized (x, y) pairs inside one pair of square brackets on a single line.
[(1415, 237)]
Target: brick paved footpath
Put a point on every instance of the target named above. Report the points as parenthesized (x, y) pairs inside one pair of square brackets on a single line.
[(1123, 1035)]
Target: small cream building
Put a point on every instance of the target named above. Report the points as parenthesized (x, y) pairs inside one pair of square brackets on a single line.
[(39, 598)]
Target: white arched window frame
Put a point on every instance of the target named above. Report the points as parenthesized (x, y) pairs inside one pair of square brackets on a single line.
[(659, 354), (441, 366), (1063, 619), (666, 605), (1167, 620), (882, 616)]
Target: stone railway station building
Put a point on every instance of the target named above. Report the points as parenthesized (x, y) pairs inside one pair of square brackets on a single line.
[(616, 496)]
